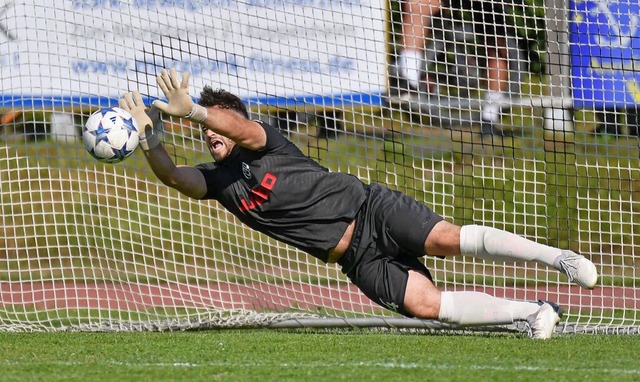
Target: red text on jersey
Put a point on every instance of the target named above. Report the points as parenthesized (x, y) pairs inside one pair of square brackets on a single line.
[(259, 194)]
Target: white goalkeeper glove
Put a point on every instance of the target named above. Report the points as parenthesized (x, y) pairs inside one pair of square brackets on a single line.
[(148, 121), (177, 93)]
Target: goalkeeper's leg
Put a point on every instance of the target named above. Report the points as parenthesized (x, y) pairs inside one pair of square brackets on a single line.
[(424, 300), (498, 245)]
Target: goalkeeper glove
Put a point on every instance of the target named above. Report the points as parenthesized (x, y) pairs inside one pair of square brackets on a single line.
[(177, 93), (146, 121)]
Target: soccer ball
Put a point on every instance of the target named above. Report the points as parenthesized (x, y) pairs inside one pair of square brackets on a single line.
[(110, 135)]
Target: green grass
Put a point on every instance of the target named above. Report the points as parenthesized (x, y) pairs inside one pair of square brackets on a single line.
[(266, 355)]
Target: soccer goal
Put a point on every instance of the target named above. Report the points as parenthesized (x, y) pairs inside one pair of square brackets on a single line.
[(90, 246)]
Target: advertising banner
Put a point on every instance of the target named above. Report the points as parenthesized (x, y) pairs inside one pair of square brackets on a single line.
[(60, 53), (605, 53)]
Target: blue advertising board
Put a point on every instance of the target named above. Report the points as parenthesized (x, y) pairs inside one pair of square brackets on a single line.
[(605, 53)]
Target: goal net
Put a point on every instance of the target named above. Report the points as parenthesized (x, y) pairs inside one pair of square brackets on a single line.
[(86, 245)]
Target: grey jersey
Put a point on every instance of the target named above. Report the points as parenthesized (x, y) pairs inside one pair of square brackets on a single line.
[(283, 193)]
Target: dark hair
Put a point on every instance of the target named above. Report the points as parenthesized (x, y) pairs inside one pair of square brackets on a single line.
[(223, 99)]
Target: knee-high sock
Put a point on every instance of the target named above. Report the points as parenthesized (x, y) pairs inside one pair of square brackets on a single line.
[(475, 308), (410, 64), (498, 245)]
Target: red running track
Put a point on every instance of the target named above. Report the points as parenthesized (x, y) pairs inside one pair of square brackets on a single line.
[(261, 296)]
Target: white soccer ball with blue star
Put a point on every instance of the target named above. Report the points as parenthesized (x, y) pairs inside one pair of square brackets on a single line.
[(110, 135)]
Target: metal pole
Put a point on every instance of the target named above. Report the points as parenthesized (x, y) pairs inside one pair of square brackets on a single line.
[(558, 65)]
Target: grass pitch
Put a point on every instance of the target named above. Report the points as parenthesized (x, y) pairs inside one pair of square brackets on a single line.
[(267, 355)]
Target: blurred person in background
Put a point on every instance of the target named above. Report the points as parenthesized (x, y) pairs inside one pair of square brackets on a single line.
[(490, 26)]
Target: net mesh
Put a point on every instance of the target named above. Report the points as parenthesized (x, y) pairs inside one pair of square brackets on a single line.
[(91, 246)]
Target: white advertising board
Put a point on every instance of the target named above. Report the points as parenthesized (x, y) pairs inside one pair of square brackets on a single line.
[(77, 52)]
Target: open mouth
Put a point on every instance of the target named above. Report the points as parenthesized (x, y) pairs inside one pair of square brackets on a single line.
[(216, 144)]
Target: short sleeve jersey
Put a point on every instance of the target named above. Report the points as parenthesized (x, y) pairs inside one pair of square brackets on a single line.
[(284, 194)]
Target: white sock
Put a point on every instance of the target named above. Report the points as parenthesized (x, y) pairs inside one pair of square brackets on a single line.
[(498, 245), (475, 308), (410, 64), (492, 107)]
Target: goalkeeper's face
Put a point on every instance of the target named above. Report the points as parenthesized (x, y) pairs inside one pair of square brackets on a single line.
[(219, 146)]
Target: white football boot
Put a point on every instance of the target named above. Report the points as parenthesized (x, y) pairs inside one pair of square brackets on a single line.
[(543, 322), (578, 269)]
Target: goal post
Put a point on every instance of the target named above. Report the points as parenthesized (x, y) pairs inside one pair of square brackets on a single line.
[(88, 246), (558, 117)]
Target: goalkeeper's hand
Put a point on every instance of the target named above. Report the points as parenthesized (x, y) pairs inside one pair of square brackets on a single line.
[(132, 102), (177, 92)]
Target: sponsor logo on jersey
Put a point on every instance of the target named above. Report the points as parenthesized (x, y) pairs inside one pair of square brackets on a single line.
[(246, 170)]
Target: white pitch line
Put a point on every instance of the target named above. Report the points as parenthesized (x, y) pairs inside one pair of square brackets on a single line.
[(384, 365)]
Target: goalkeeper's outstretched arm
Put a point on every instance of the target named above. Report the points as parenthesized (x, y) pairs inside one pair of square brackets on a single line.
[(222, 121), (186, 179)]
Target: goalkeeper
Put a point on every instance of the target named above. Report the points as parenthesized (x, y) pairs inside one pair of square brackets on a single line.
[(375, 234)]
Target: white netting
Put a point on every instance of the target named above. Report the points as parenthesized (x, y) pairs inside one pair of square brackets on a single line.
[(92, 246)]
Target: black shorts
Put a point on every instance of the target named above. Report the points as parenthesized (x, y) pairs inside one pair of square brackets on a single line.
[(488, 17), (388, 241)]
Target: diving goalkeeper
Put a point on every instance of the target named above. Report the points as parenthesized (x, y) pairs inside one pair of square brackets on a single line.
[(375, 234)]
